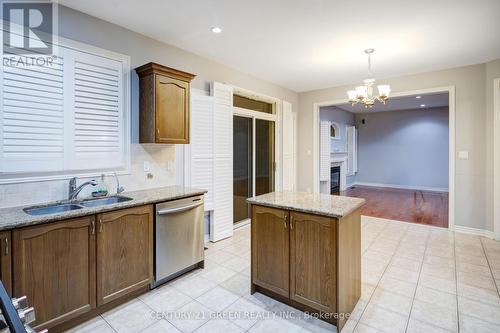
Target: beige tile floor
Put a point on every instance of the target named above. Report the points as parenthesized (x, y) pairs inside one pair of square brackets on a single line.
[(415, 279)]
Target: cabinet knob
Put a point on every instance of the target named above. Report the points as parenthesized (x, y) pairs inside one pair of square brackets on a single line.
[(20, 303), (27, 315), (284, 220), (6, 248)]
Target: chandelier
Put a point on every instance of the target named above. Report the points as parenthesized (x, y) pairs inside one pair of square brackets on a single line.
[(364, 94)]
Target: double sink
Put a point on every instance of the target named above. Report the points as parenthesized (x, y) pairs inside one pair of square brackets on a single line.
[(73, 205)]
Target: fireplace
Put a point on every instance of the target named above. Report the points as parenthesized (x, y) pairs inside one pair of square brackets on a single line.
[(335, 179)]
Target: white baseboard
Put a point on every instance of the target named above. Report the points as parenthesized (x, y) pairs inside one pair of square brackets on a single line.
[(475, 231), (405, 187)]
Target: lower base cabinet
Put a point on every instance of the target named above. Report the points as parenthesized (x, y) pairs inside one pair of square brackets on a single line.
[(308, 261), (313, 261), (6, 260), (124, 252), (54, 266), (69, 268)]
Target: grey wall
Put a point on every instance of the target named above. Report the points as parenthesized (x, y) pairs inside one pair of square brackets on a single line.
[(343, 119), (164, 165), (407, 148), (91, 30)]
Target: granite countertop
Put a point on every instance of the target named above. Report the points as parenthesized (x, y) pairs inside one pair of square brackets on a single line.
[(315, 203), (15, 217)]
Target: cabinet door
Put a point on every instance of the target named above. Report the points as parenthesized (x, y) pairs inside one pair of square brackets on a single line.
[(270, 249), (124, 252), (5, 261), (172, 110), (313, 261), (54, 266)]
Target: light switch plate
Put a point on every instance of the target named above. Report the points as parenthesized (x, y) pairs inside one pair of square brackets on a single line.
[(463, 155), (147, 166)]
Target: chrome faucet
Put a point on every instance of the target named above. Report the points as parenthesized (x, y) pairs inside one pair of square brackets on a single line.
[(119, 189), (73, 190)]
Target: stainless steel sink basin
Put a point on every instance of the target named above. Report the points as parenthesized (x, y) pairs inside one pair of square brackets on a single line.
[(66, 207), (104, 201), (52, 209)]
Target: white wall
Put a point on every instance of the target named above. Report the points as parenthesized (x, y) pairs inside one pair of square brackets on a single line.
[(90, 30)]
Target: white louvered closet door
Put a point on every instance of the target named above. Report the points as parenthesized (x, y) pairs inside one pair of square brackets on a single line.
[(288, 125), (201, 161), (95, 105), (325, 156), (222, 224), (32, 121), (352, 162)]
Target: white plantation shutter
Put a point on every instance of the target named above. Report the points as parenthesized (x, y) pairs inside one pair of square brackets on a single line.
[(201, 147), (32, 118), (325, 148), (222, 226), (70, 115), (288, 125), (97, 100), (352, 163)]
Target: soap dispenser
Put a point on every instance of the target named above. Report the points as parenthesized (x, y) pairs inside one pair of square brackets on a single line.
[(102, 189)]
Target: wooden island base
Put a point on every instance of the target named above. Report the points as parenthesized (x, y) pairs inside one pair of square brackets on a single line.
[(310, 262)]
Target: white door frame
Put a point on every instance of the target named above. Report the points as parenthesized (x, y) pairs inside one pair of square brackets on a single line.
[(496, 158), (451, 137)]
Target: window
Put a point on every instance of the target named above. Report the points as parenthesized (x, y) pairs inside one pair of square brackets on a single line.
[(334, 131), (64, 118), (252, 104)]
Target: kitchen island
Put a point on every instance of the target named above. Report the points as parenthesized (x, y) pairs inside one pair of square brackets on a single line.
[(306, 252)]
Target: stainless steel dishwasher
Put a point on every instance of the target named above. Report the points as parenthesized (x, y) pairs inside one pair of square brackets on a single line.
[(179, 239)]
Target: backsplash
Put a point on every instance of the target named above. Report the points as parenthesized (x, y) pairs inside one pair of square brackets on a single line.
[(162, 165)]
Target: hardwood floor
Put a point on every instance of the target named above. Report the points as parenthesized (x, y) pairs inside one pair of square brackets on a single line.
[(429, 208)]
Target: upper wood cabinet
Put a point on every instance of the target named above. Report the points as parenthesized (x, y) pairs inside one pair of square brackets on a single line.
[(5, 261), (54, 266), (163, 104), (270, 254), (124, 252)]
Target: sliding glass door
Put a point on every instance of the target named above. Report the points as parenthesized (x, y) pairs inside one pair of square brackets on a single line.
[(264, 156), (253, 159), (242, 166)]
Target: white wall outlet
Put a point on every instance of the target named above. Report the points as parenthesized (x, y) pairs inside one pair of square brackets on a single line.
[(463, 155), (147, 166)]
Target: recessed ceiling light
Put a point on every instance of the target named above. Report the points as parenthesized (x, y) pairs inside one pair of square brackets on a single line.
[(418, 97), (422, 105), (216, 30)]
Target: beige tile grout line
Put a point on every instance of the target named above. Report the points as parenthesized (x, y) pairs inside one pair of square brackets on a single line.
[(456, 279), (385, 269), (489, 265), (418, 279)]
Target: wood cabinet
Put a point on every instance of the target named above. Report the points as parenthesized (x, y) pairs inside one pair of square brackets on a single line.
[(54, 266), (124, 252), (79, 267), (308, 261), (270, 241), (6, 260), (164, 104), (312, 261)]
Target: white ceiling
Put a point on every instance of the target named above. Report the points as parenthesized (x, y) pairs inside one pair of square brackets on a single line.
[(401, 103), (311, 44)]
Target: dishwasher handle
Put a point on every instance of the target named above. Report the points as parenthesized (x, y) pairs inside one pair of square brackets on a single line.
[(178, 209)]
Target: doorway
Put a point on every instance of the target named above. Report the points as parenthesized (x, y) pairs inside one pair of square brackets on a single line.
[(254, 144), (418, 195)]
